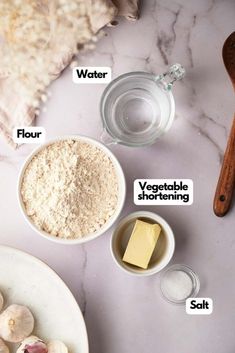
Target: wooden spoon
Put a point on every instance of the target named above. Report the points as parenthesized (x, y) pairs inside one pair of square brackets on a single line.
[(226, 182)]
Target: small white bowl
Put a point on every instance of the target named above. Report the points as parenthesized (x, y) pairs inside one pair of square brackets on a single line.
[(164, 249), (121, 196)]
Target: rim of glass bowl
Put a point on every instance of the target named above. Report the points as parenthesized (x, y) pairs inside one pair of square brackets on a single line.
[(104, 96), (195, 281)]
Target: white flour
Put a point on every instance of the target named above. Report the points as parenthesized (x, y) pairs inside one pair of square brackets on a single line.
[(70, 189)]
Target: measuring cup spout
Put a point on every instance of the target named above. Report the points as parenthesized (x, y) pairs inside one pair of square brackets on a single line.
[(175, 73), (107, 139)]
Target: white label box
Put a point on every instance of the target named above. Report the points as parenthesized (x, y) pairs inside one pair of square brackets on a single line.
[(199, 306), (29, 134), (163, 192), (91, 74)]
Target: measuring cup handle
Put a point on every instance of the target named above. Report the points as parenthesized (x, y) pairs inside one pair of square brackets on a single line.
[(176, 72), (107, 139)]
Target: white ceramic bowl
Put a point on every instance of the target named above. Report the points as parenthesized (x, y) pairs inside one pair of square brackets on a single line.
[(162, 253), (121, 196)]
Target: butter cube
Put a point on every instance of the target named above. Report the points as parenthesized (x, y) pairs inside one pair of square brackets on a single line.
[(142, 243)]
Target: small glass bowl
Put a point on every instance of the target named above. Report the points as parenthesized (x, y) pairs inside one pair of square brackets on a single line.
[(190, 273)]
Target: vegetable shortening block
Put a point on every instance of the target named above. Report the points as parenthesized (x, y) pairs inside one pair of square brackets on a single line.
[(142, 243)]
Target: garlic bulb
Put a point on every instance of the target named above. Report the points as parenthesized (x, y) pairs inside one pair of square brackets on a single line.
[(57, 347), (16, 323), (1, 301), (32, 344), (3, 347)]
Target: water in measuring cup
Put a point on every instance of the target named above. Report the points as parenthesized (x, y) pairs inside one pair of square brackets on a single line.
[(137, 110)]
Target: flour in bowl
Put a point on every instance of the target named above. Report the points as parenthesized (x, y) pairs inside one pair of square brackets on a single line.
[(70, 189)]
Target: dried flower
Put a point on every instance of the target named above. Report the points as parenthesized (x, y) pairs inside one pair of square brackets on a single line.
[(36, 35)]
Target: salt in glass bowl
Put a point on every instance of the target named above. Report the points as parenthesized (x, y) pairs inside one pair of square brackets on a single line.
[(166, 278)]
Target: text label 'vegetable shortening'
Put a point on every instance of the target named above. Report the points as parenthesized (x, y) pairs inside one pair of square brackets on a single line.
[(90, 74), (163, 192)]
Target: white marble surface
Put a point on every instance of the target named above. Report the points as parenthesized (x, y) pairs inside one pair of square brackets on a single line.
[(127, 314)]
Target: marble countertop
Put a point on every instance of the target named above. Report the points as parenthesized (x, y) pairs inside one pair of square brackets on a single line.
[(124, 313)]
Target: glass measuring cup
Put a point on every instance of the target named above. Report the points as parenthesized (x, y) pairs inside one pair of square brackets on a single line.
[(138, 107)]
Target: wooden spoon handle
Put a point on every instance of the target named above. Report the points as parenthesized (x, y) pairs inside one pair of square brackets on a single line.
[(225, 186)]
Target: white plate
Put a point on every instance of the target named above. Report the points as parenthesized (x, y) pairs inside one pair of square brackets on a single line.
[(26, 280)]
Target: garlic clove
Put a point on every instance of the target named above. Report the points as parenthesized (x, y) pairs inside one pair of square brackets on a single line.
[(32, 344), (3, 347), (1, 301), (16, 323), (57, 347)]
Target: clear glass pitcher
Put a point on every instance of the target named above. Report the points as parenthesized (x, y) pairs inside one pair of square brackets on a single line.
[(138, 107)]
